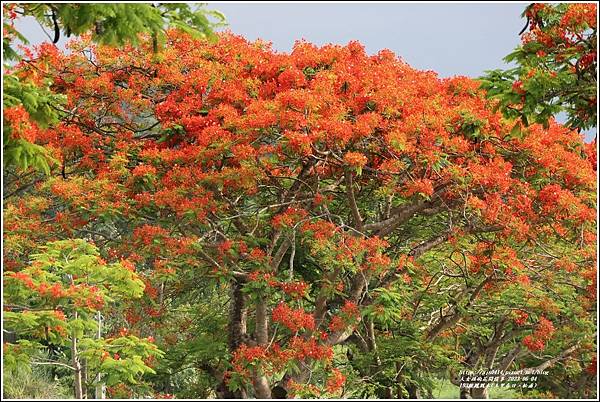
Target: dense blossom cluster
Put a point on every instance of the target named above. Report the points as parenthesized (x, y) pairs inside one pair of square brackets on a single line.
[(274, 358), (543, 332), (293, 319), (20, 124)]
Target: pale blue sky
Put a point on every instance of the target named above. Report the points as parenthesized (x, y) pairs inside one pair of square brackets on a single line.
[(452, 39)]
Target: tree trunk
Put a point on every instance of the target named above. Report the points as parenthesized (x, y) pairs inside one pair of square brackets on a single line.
[(399, 387), (237, 316), (77, 383), (262, 389), (444, 323), (10, 337), (413, 391), (581, 389), (465, 393), (262, 322), (237, 332), (480, 393), (84, 378), (372, 342), (510, 357), (100, 389)]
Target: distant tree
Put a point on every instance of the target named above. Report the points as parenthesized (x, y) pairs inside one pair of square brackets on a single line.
[(54, 304)]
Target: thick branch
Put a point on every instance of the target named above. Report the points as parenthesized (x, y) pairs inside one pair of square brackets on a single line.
[(353, 207), (283, 248), (550, 362), (451, 319), (38, 363), (262, 329), (427, 245), (321, 300), (359, 283), (510, 357), (398, 216)]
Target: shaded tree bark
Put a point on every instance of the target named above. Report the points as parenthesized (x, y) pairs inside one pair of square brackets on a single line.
[(77, 383), (237, 333), (259, 381), (237, 316)]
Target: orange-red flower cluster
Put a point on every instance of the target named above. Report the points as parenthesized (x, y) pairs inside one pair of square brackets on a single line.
[(293, 319), (543, 332)]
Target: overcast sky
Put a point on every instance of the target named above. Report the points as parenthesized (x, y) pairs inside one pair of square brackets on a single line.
[(451, 39)]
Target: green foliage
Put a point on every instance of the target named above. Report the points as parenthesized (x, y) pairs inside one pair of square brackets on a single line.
[(41, 105), (532, 107), (71, 263), (38, 100), (117, 24), (17, 357), (387, 307), (24, 154), (555, 68), (196, 22), (120, 359), (11, 33), (444, 389), (53, 302)]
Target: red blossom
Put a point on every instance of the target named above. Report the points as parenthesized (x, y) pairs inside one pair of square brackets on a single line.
[(355, 159), (336, 381), (419, 186), (293, 319)]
